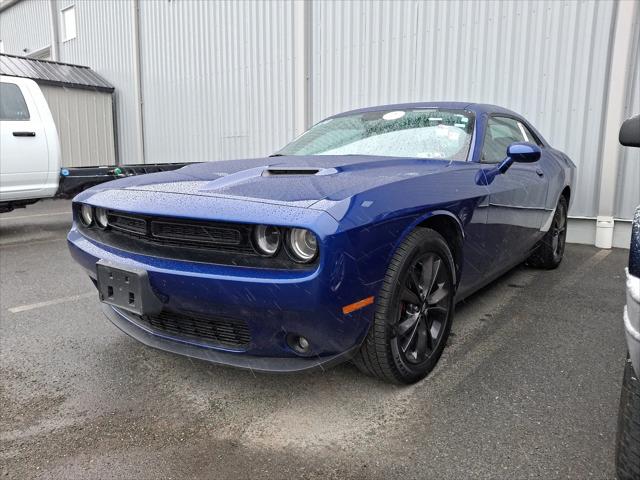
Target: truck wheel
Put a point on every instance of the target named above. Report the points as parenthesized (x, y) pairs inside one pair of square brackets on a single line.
[(628, 439), (414, 311), (549, 251)]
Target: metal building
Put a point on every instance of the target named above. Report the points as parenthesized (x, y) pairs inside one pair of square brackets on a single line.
[(199, 81), (81, 103)]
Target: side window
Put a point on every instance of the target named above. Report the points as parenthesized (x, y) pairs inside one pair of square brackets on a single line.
[(501, 132), (69, 31), (529, 135), (12, 104)]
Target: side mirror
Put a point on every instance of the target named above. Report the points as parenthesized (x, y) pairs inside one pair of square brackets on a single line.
[(630, 132), (524, 152), (520, 152)]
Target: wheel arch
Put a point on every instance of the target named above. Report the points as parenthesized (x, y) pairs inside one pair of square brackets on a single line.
[(449, 226)]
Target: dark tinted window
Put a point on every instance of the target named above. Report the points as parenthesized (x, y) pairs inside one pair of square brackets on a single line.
[(12, 104), (501, 132)]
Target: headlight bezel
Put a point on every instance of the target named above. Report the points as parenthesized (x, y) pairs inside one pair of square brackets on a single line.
[(97, 213), (300, 249), (260, 242), (290, 243), (84, 210)]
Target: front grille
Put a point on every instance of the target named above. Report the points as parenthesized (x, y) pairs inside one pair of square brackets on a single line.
[(196, 233), (214, 330), (183, 232), (204, 241), (127, 224)]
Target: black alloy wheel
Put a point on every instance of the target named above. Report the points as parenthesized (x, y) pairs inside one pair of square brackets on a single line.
[(414, 311), (424, 309), (549, 251), (559, 231)]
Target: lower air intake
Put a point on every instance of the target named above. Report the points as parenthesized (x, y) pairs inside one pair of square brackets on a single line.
[(214, 330)]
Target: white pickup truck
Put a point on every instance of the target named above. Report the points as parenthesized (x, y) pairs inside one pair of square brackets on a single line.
[(30, 167), (29, 144)]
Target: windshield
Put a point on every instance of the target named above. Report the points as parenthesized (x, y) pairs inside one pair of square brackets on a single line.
[(421, 133)]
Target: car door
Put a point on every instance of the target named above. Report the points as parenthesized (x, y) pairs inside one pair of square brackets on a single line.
[(24, 153), (517, 198)]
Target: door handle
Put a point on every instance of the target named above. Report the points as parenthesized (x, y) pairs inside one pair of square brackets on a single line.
[(539, 172), (24, 134)]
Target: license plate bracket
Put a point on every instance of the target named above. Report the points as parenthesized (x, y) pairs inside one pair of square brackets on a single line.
[(127, 288)]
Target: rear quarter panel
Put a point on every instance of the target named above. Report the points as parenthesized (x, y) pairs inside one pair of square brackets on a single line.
[(561, 171)]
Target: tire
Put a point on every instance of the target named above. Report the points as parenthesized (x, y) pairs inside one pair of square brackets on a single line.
[(628, 438), (549, 251), (414, 311)]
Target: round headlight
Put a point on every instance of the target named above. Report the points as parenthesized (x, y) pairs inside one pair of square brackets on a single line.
[(267, 239), (86, 214), (303, 243), (101, 217)]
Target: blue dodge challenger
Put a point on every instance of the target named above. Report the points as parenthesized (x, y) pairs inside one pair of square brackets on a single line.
[(354, 241)]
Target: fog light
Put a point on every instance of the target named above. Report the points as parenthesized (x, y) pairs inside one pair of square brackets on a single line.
[(303, 344), (299, 344)]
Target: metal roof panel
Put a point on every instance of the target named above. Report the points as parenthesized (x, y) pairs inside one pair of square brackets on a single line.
[(53, 73)]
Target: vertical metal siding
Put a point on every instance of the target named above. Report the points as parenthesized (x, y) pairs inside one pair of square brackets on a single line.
[(547, 60), (25, 25), (628, 192), (216, 78), (84, 122), (104, 43)]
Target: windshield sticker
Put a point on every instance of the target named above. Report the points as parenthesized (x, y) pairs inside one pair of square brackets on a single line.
[(395, 115)]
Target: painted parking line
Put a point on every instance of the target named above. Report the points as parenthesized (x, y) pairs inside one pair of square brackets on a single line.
[(21, 217), (584, 268), (33, 306), (31, 242)]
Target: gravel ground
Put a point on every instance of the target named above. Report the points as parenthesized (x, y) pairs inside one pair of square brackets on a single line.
[(528, 386)]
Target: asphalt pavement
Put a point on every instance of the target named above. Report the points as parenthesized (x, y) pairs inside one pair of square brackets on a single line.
[(527, 388)]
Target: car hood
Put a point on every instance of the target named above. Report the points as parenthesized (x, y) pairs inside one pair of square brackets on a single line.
[(300, 181)]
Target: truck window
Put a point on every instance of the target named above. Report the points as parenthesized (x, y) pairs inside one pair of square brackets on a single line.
[(12, 104)]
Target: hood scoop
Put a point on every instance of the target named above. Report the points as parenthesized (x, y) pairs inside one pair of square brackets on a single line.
[(297, 171)]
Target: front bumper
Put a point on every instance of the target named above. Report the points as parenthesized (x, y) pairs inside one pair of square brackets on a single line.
[(273, 303), (128, 325), (632, 320)]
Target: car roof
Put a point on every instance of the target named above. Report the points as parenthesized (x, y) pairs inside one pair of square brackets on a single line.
[(477, 108)]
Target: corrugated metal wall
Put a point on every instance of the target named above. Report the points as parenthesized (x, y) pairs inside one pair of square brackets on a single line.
[(217, 79), (85, 125), (628, 192), (25, 26), (105, 43), (544, 59)]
